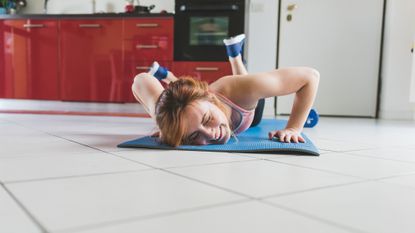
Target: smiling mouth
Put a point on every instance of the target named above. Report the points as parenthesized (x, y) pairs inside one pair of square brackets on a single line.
[(220, 134)]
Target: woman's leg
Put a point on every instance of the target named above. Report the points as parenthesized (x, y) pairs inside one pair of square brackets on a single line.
[(234, 47), (161, 73), (238, 67)]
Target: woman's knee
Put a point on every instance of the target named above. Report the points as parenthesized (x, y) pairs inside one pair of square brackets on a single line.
[(141, 76)]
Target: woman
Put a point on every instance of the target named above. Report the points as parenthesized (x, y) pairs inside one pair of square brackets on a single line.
[(191, 112)]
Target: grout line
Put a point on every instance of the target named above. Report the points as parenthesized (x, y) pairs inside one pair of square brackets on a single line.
[(211, 164), (148, 217), (380, 158), (75, 176), (211, 185), (150, 168), (75, 113), (316, 169), (304, 214), (312, 189), (25, 210), (345, 151), (394, 176)]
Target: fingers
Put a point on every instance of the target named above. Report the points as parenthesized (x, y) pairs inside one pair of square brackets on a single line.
[(271, 134), (286, 136)]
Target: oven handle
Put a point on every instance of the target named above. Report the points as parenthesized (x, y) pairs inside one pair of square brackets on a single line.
[(231, 7)]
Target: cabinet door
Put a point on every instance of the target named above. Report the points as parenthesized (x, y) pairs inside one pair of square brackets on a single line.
[(149, 39), (90, 60), (341, 39), (206, 71), (29, 67)]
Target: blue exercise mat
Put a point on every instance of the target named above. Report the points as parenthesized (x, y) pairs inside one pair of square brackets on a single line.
[(254, 140)]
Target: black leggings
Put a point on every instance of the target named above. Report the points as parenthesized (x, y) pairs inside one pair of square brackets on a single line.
[(259, 110)]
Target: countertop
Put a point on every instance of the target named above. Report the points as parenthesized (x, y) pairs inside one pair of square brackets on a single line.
[(84, 16)]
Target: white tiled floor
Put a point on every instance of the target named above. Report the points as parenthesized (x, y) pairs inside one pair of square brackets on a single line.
[(65, 174)]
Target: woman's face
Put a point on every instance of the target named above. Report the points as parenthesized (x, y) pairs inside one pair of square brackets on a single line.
[(206, 124)]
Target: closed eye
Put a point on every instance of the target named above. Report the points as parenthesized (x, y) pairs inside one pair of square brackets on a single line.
[(208, 120)]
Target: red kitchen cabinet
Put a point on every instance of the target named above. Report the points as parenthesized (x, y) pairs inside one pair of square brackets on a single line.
[(145, 40), (149, 39), (29, 64), (207, 71), (90, 60)]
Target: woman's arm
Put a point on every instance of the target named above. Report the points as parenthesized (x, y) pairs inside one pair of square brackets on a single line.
[(302, 81)]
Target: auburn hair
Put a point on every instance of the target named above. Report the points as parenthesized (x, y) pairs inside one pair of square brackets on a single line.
[(171, 104)]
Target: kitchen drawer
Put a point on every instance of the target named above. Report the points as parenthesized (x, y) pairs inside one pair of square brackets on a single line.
[(150, 48), (207, 71), (148, 27)]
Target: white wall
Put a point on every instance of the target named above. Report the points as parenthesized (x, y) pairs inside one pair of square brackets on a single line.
[(85, 6), (398, 38)]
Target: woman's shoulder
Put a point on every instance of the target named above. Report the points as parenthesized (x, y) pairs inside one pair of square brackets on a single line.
[(234, 88), (222, 85)]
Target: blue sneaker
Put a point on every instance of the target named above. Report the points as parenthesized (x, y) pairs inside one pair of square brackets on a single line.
[(234, 45), (158, 71)]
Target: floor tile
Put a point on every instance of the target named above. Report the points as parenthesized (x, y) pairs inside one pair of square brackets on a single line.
[(242, 217), (340, 146), (40, 145), (371, 206), (177, 158), (54, 166), (74, 202), (103, 133), (392, 153), (262, 178), (369, 131), (359, 166), (12, 218), (46, 105), (407, 180)]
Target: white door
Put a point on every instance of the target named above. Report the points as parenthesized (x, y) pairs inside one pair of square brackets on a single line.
[(342, 40)]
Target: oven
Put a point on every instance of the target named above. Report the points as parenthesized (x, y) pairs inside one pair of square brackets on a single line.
[(201, 25)]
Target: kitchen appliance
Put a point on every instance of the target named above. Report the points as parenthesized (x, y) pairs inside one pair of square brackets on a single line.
[(201, 25), (143, 9)]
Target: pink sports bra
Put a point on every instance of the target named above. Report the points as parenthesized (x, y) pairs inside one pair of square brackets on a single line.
[(241, 118)]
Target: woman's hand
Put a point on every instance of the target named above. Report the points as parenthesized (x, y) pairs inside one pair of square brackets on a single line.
[(287, 135)]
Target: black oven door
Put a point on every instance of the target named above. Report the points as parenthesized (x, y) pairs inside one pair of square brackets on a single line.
[(200, 28)]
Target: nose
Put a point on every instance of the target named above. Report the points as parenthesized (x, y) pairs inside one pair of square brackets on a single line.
[(210, 133)]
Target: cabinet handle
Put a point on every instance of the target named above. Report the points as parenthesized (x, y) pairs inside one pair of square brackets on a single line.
[(89, 25), (33, 25), (206, 68), (142, 67), (147, 25), (144, 46)]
